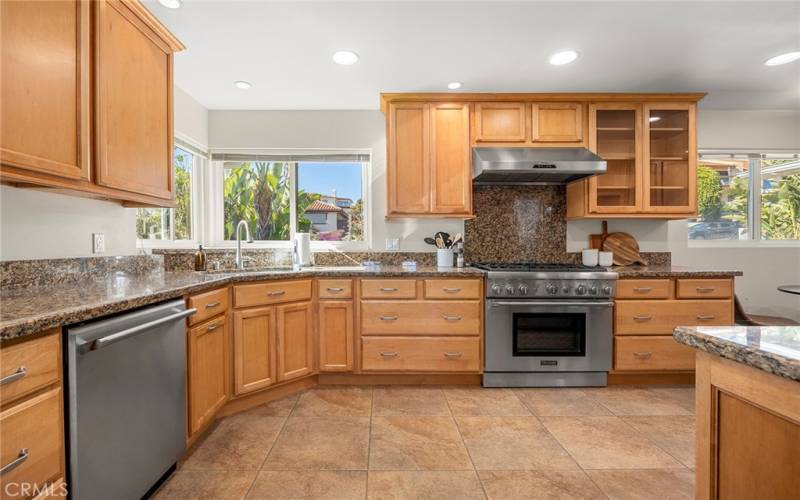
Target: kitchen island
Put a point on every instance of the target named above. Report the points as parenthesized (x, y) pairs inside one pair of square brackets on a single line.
[(748, 410)]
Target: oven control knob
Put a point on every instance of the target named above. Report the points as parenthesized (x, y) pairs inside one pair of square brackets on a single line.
[(593, 290), (580, 290), (496, 289), (523, 289), (552, 289), (510, 290), (607, 290)]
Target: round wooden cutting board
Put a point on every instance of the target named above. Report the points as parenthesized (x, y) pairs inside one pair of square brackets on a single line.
[(625, 248)]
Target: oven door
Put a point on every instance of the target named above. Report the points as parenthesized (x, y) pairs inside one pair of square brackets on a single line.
[(548, 335)]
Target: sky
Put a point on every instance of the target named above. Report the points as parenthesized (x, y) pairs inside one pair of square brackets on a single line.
[(323, 178)]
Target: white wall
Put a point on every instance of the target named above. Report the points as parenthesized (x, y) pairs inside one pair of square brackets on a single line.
[(764, 267), (37, 224), (326, 130)]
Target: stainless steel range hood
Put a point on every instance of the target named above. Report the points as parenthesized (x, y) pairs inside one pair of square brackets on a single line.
[(533, 165)]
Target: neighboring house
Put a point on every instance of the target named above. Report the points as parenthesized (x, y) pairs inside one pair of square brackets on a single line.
[(338, 201), (327, 218)]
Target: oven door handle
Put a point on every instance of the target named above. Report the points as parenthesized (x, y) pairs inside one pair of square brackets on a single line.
[(538, 303)]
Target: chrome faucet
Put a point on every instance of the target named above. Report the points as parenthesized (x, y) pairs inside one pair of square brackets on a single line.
[(239, 260)]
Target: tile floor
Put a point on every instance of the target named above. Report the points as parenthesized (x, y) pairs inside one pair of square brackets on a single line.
[(454, 443)]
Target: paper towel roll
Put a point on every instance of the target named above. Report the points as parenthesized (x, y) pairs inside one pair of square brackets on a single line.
[(303, 242)]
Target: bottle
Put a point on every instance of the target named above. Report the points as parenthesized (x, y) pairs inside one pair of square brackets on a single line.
[(200, 260)]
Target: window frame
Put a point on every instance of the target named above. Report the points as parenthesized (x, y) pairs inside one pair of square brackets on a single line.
[(754, 184)]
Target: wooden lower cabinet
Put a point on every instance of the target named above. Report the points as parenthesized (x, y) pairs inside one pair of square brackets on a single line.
[(654, 353), (254, 346), (295, 340), (207, 355), (335, 335), (424, 354)]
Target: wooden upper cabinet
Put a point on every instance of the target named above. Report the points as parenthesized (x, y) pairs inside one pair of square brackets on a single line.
[(253, 349), (295, 341), (555, 122), (451, 174), (408, 159), (500, 122), (45, 87)]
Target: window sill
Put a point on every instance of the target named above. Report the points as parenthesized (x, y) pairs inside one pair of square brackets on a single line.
[(744, 244)]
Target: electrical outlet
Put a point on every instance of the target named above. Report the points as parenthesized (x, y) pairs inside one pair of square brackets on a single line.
[(392, 244), (98, 243)]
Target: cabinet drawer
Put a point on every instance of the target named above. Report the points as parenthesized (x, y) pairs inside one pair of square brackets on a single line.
[(423, 354), (388, 289), (335, 289), (271, 293), (643, 289), (452, 289), (420, 318), (704, 289), (29, 366), (32, 434), (652, 353), (208, 304), (642, 317)]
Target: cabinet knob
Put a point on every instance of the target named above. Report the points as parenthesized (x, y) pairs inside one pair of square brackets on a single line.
[(18, 374), (453, 354), (643, 318), (388, 318), (391, 354), (643, 354)]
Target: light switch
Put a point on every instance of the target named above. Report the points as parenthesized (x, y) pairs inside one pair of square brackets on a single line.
[(392, 244), (98, 243)]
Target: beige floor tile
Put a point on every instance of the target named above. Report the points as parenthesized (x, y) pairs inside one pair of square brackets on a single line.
[(534, 485), (607, 443), (512, 443), (396, 400), (417, 443), (208, 485), (290, 484), (478, 401), (681, 395), (239, 442), (635, 400), (645, 484), (279, 408), (315, 443), (424, 485), (673, 433), (561, 402), (327, 401)]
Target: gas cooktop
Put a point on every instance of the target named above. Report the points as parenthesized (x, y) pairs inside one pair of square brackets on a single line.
[(535, 267), (552, 281)]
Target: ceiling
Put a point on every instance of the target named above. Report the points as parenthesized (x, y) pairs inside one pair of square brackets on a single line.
[(284, 49)]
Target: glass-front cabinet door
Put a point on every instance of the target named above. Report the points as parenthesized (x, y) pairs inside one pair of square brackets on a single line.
[(671, 158), (615, 134)]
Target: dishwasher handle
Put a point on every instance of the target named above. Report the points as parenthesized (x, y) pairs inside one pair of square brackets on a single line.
[(85, 346)]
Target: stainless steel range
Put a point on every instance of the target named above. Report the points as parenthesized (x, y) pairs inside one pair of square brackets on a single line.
[(548, 325)]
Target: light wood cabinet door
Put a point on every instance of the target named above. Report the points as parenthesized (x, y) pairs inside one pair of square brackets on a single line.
[(207, 356), (133, 103), (254, 349), (408, 169), (500, 122), (451, 173), (335, 335), (557, 122), (295, 341), (45, 87)]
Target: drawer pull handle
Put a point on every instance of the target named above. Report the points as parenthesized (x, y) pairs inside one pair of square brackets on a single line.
[(388, 289), (452, 318), (643, 354), (388, 318), (705, 289), (276, 294), (389, 354), (212, 305), (213, 327), (335, 289), (705, 317), (21, 372), (643, 289), (451, 290), (453, 354), (23, 455), (643, 318)]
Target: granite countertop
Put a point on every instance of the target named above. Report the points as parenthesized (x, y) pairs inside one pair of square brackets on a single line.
[(773, 349), (24, 311), (672, 272)]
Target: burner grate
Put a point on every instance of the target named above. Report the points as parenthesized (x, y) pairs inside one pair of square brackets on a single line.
[(532, 267)]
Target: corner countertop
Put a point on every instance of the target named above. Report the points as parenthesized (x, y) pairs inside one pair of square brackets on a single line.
[(25, 311), (773, 349), (672, 272)]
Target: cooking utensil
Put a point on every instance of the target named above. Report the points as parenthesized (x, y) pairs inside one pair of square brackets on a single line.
[(439, 241), (458, 237), (625, 248), (445, 237), (430, 241)]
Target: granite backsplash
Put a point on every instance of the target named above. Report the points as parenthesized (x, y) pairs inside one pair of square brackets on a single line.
[(43, 272)]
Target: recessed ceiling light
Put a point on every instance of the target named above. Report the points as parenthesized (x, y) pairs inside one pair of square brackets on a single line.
[(170, 4), (782, 59), (345, 57), (563, 57), (242, 84), (454, 85), (654, 119)]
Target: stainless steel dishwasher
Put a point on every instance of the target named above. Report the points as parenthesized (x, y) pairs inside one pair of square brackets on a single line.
[(126, 414)]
